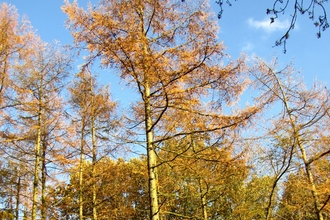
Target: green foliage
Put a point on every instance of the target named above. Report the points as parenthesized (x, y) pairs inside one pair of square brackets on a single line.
[(297, 200), (122, 191)]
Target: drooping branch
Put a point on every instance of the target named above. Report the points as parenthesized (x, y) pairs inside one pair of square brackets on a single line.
[(279, 7)]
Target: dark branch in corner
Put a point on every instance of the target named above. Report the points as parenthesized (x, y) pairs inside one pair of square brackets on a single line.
[(220, 3), (281, 6)]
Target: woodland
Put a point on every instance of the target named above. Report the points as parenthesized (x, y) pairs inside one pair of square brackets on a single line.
[(69, 151)]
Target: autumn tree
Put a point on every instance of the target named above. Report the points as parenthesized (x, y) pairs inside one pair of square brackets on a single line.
[(22, 54), (95, 117), (297, 201), (36, 114), (169, 53), (203, 181), (301, 122), (122, 191), (14, 185), (14, 37)]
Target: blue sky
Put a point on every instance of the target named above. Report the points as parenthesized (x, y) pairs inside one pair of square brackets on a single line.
[(244, 27)]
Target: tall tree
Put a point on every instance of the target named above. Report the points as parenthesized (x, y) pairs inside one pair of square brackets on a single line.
[(39, 79), (95, 114), (303, 115), (168, 52), (19, 47)]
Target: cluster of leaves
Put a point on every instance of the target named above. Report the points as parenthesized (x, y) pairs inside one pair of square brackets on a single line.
[(182, 190)]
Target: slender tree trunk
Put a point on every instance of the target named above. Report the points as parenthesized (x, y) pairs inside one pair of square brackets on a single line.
[(94, 188), (36, 167), (43, 182), (36, 177), (11, 198), (18, 192), (311, 181), (81, 207), (94, 153), (151, 152), (152, 159), (204, 207), (203, 200)]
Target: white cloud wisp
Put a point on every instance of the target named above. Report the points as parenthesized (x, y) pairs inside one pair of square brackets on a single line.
[(267, 26)]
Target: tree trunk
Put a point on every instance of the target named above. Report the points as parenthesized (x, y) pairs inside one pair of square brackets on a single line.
[(81, 207), (94, 153), (152, 159), (43, 182), (151, 152), (203, 200), (36, 167), (311, 181), (18, 192), (36, 177)]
